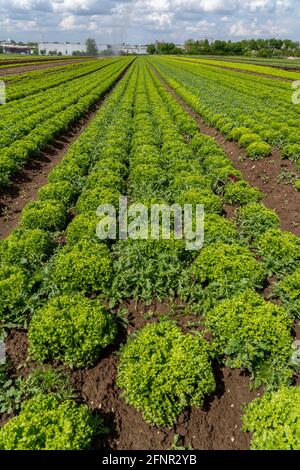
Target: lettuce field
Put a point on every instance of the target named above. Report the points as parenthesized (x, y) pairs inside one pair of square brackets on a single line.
[(139, 343)]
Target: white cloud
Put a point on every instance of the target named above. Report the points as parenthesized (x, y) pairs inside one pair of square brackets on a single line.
[(148, 20)]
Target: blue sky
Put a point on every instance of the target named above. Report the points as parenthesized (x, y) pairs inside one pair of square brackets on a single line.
[(144, 21)]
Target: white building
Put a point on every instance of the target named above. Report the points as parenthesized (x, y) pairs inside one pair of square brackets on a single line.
[(68, 48), (137, 50), (65, 48)]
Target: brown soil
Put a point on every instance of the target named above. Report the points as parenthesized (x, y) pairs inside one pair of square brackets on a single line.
[(271, 175), (216, 426), (30, 68), (247, 72)]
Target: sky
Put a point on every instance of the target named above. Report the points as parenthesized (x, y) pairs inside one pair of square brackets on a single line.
[(144, 21)]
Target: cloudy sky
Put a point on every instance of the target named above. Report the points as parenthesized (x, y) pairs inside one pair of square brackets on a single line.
[(144, 21)]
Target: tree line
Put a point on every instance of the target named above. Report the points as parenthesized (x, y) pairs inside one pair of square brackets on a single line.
[(259, 47)]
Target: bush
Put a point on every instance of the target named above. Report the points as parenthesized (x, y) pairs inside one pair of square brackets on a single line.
[(111, 164), (45, 215), (218, 229), (162, 371), (274, 420), (221, 176), (258, 150), (13, 288), (91, 199), (68, 171), (255, 335), (63, 192), (83, 227), (71, 329), (47, 424), (247, 139), (241, 193), (216, 161), (270, 136), (86, 267), (291, 151), (104, 179), (25, 247), (226, 269), (237, 133), (184, 182), (280, 251), (288, 291), (147, 269), (211, 202), (255, 219)]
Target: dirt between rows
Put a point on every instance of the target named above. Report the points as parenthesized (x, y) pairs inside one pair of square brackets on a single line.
[(271, 175), (30, 68)]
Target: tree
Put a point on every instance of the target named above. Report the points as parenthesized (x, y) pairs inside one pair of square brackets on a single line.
[(91, 47), (151, 49), (1, 49)]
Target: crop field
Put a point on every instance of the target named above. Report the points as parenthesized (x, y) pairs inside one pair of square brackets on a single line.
[(288, 64), (141, 340)]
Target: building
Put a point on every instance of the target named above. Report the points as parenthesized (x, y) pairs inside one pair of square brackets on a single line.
[(10, 48), (136, 50), (58, 48), (68, 49)]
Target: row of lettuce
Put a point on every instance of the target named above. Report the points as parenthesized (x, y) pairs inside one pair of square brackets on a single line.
[(255, 111), (42, 80), (57, 274), (29, 125), (248, 67)]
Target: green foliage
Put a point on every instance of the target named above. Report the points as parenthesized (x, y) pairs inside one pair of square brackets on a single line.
[(220, 176), (274, 420), (71, 329), (297, 185), (45, 423), (91, 199), (42, 380), (13, 289), (82, 227), (224, 269), (218, 229), (291, 151), (63, 192), (86, 267), (45, 215), (147, 269), (188, 181), (247, 139), (146, 180), (253, 334), (238, 132), (162, 371), (25, 247), (258, 150), (280, 251), (288, 290), (212, 203), (241, 193), (255, 219), (104, 179)]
